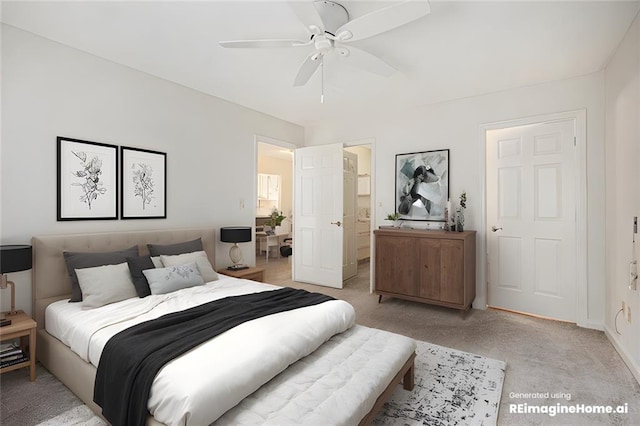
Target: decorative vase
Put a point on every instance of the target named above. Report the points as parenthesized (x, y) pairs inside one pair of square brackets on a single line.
[(447, 226), (460, 220)]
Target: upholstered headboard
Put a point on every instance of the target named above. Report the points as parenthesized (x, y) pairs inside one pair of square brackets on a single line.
[(50, 279)]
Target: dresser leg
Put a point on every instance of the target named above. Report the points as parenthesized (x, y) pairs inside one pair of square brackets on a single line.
[(379, 298)]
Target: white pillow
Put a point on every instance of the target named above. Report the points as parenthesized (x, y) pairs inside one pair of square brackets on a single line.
[(172, 278), (105, 284), (199, 257)]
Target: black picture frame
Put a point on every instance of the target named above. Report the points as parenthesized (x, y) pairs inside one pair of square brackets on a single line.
[(422, 185), (87, 180), (144, 183)]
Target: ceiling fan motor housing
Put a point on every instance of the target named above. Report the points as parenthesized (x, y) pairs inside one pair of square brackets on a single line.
[(333, 15)]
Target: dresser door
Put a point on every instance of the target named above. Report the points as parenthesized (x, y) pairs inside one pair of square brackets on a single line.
[(452, 289), (396, 264), (429, 268)]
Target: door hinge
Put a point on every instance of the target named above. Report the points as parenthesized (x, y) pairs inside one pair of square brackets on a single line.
[(574, 141)]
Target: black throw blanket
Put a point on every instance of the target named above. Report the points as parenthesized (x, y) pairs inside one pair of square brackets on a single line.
[(132, 358)]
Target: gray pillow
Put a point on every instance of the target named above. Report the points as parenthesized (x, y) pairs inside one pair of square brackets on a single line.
[(136, 266), (199, 258), (177, 248), (102, 285), (81, 260), (172, 278)]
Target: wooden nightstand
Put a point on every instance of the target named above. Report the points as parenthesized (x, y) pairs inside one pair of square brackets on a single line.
[(255, 274), (24, 327)]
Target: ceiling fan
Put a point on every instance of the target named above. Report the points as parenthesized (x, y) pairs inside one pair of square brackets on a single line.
[(329, 27)]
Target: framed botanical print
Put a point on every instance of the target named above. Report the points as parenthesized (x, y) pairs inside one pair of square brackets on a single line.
[(144, 184), (87, 180), (422, 185)]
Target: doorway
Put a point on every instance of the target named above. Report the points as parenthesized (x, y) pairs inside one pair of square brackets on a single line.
[(274, 204), (363, 224), (533, 187)]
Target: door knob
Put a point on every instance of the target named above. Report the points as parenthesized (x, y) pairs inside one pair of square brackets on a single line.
[(494, 229), (337, 223)]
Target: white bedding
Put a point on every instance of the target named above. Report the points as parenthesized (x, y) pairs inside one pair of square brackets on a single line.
[(227, 368), (338, 384)]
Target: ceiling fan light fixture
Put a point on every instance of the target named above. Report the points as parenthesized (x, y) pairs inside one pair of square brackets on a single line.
[(323, 44)]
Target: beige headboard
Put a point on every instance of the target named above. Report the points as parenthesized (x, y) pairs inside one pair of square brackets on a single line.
[(50, 279)]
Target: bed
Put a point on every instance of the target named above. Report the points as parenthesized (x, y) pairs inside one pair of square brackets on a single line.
[(343, 380)]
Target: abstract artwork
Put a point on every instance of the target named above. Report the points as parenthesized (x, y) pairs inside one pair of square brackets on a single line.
[(422, 185), (144, 183), (87, 180)]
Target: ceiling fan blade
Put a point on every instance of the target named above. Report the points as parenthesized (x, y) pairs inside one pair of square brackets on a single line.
[(308, 67), (308, 15), (263, 43), (383, 20), (366, 61)]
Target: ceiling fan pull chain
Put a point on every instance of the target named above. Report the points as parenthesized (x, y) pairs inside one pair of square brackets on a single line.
[(322, 79)]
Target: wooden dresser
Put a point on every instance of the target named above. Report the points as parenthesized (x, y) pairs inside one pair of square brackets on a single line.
[(435, 267)]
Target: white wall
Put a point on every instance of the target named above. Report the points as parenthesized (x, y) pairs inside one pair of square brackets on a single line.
[(622, 83), (50, 90), (456, 125)]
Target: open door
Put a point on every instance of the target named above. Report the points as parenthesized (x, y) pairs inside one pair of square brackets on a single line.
[(318, 210)]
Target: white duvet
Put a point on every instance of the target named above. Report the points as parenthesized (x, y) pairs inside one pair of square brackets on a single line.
[(201, 385)]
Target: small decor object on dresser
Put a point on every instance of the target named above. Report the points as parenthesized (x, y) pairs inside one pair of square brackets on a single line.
[(144, 184), (460, 213), (87, 180), (394, 218), (422, 185)]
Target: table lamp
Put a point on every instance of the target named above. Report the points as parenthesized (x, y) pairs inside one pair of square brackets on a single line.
[(13, 258), (235, 235)]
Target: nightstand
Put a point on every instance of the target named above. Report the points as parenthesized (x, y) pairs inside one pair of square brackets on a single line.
[(255, 274), (24, 327)]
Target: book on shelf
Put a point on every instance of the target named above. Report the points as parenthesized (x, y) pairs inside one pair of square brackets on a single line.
[(4, 347), (22, 359), (12, 352), (12, 357)]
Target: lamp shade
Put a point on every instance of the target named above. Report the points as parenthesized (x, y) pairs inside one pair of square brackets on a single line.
[(235, 234), (14, 258)]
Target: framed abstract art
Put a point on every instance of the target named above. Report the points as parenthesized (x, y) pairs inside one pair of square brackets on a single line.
[(422, 185)]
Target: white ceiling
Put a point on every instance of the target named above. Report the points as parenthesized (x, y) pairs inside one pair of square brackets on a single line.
[(461, 49)]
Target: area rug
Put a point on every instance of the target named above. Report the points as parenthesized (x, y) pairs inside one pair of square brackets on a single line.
[(451, 388)]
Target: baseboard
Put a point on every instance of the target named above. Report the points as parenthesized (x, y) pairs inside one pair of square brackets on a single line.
[(628, 359), (592, 325)]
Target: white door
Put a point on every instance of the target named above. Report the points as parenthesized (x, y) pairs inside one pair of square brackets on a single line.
[(531, 235), (350, 188), (318, 198)]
